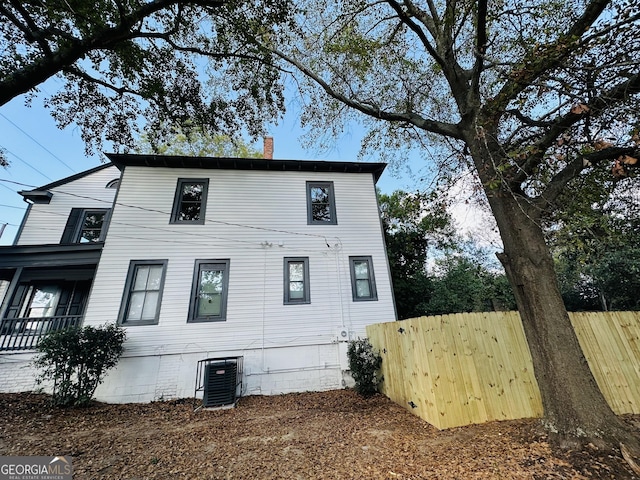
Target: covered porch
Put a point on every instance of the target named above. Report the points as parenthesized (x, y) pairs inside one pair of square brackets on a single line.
[(43, 288)]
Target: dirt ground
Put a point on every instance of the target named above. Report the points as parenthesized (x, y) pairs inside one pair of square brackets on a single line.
[(332, 435)]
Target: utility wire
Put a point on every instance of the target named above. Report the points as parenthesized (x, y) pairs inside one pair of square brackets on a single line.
[(28, 164), (38, 143), (11, 206), (152, 210), (199, 238)]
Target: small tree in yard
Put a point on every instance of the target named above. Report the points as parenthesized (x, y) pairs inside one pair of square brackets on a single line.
[(364, 362), (76, 359)]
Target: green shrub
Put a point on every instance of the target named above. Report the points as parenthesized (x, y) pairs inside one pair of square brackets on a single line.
[(76, 360), (364, 362)]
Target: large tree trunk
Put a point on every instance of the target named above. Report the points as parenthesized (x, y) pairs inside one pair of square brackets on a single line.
[(575, 411)]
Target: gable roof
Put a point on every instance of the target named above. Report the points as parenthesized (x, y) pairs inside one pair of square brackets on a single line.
[(76, 176), (180, 161), (40, 193)]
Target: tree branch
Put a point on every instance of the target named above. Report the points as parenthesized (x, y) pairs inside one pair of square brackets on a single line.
[(481, 48), (426, 21), (527, 120), (199, 51), (85, 76), (544, 59), (620, 92), (557, 184), (442, 52), (441, 128), (42, 68), (31, 31)]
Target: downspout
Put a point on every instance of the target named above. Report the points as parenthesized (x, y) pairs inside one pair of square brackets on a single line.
[(22, 224)]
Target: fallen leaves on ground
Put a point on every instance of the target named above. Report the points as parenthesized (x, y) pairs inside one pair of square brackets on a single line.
[(325, 435)]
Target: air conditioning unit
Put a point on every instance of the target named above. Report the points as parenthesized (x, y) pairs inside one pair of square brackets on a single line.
[(220, 384)]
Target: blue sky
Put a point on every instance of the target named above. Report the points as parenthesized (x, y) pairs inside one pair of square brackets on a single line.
[(40, 153)]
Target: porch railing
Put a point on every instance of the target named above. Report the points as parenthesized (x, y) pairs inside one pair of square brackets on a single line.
[(25, 333)]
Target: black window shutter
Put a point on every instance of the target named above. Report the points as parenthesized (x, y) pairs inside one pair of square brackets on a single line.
[(71, 227), (66, 289), (16, 302), (80, 294)]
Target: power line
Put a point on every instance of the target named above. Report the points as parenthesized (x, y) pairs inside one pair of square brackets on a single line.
[(28, 164), (38, 143), (3, 185), (18, 183), (11, 206), (207, 220), (199, 238)]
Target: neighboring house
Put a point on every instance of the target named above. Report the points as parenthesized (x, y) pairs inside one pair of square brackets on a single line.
[(275, 261)]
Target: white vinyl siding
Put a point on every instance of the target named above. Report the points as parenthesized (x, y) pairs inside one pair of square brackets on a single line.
[(45, 222), (255, 219)]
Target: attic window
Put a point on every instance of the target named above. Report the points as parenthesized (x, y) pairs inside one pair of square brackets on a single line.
[(113, 183), (190, 201)]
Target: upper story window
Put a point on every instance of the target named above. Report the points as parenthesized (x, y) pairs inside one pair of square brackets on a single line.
[(115, 183), (143, 292), (209, 291), (190, 201), (296, 280), (363, 283), (85, 225), (321, 204)]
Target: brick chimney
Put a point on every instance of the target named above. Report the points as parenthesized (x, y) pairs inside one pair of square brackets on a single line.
[(268, 148)]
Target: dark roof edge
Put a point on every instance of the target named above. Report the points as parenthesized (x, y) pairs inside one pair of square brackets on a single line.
[(181, 161), (51, 248), (50, 255), (71, 178)]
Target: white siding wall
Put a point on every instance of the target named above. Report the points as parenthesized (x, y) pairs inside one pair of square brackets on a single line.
[(279, 342), (45, 222), (17, 373)]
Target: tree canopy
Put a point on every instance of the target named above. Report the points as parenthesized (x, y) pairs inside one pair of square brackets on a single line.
[(594, 242), (194, 141), (413, 224), (434, 270), (169, 61)]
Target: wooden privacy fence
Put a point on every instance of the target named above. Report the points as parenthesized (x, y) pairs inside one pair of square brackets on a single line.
[(454, 370)]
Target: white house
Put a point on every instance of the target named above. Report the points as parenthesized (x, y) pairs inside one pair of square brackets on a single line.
[(269, 264)]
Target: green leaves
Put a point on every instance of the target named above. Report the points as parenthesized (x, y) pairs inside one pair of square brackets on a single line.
[(77, 359), (364, 363), (193, 141), (123, 60)]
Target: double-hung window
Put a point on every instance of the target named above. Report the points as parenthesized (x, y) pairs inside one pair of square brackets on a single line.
[(363, 284), (85, 225), (321, 204), (190, 201), (143, 292), (209, 291), (296, 280)]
